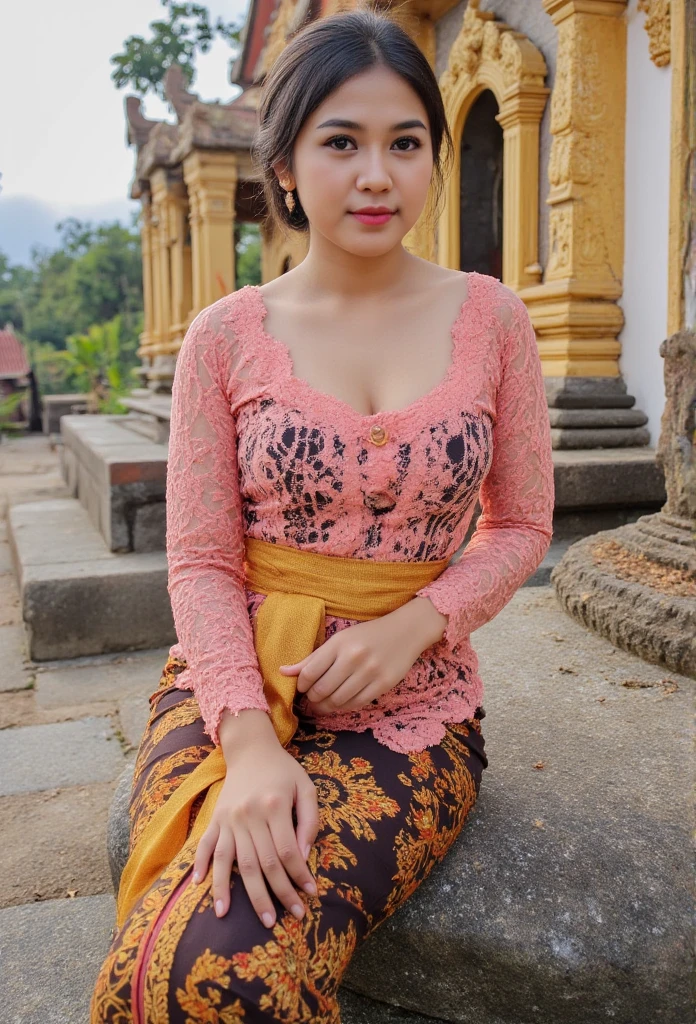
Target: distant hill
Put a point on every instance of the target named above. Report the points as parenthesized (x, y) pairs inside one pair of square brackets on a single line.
[(25, 221)]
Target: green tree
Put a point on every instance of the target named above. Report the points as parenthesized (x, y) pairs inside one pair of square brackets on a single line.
[(14, 281), (248, 254), (95, 274), (94, 362), (174, 40)]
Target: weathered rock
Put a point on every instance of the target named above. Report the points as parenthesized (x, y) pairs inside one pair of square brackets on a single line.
[(675, 451), (636, 585), (589, 783), (118, 830), (657, 622)]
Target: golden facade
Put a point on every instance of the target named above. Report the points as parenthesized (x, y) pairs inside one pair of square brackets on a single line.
[(196, 181)]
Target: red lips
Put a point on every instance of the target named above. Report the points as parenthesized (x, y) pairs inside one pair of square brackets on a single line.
[(373, 209)]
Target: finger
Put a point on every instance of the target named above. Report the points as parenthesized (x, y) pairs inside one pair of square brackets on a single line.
[(290, 855), (252, 876), (326, 684), (307, 812), (204, 852), (347, 690), (273, 870), (361, 697), (321, 661), (296, 664), (223, 858)]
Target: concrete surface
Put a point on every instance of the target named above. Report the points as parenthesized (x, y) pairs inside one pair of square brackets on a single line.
[(50, 955), (39, 757)]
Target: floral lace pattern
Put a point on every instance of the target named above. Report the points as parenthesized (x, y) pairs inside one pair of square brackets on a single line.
[(256, 451)]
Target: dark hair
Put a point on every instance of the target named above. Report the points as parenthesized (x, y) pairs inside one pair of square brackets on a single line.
[(319, 58)]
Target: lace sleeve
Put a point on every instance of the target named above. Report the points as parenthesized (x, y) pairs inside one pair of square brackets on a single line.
[(513, 532), (205, 539)]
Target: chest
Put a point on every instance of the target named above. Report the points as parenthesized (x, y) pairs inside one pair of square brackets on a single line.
[(374, 366), (316, 471)]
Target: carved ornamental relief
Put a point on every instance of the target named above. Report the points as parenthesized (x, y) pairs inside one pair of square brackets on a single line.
[(657, 25), (489, 54)]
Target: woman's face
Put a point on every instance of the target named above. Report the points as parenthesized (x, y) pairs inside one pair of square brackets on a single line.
[(340, 168)]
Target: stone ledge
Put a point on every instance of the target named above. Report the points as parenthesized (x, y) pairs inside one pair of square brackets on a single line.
[(77, 598), (120, 477), (607, 478)]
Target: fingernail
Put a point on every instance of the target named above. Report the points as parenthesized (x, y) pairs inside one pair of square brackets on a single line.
[(196, 878), (267, 919), (218, 908), (306, 851), (310, 887), (297, 909)]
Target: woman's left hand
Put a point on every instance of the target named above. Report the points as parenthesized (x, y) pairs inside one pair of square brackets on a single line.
[(359, 664)]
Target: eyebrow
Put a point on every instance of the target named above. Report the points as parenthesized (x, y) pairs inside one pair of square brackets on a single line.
[(337, 122)]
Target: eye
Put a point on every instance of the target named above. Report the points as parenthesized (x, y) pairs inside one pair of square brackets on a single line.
[(404, 138), (339, 138)]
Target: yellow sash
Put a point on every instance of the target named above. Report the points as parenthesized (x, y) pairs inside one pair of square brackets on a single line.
[(301, 587)]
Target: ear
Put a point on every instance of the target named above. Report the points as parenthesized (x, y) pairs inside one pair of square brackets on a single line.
[(284, 177)]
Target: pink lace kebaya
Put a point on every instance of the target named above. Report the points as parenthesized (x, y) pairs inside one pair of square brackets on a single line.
[(256, 451)]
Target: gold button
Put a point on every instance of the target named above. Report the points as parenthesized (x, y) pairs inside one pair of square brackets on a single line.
[(378, 435)]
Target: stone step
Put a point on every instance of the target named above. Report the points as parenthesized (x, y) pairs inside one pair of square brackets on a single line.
[(119, 476), (77, 597), (606, 478)]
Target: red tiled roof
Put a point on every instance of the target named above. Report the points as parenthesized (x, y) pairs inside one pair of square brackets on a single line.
[(13, 358)]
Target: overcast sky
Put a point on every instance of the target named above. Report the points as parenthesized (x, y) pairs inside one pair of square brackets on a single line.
[(63, 148)]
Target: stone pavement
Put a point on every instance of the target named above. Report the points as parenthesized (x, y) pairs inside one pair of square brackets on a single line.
[(565, 710), (67, 729)]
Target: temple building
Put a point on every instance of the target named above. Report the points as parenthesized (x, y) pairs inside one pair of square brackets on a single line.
[(569, 122)]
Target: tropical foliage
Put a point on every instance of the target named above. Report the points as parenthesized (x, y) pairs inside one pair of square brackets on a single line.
[(174, 40)]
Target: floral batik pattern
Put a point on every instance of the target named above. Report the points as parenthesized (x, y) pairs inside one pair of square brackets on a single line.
[(386, 819)]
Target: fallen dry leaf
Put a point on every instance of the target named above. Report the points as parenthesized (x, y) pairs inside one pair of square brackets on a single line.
[(72, 893), (538, 823), (539, 764)]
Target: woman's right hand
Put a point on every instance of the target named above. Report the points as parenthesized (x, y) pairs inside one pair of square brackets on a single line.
[(252, 820)]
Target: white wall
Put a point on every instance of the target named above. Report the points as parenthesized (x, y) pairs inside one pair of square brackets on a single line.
[(644, 300)]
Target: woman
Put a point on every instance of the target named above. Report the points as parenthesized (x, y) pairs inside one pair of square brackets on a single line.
[(331, 431)]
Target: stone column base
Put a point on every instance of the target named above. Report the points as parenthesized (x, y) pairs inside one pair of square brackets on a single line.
[(594, 412), (636, 586), (160, 374)]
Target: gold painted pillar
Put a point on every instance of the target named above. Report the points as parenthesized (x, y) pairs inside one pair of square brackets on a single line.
[(574, 311), (180, 267), (211, 180), (146, 338), (167, 193), (420, 240), (160, 261)]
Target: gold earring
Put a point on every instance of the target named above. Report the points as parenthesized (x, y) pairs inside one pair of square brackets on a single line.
[(290, 200)]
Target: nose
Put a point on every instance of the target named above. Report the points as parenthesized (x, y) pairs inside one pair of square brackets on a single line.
[(374, 174)]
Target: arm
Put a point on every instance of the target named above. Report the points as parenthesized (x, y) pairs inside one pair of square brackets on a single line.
[(514, 530), (205, 539)]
